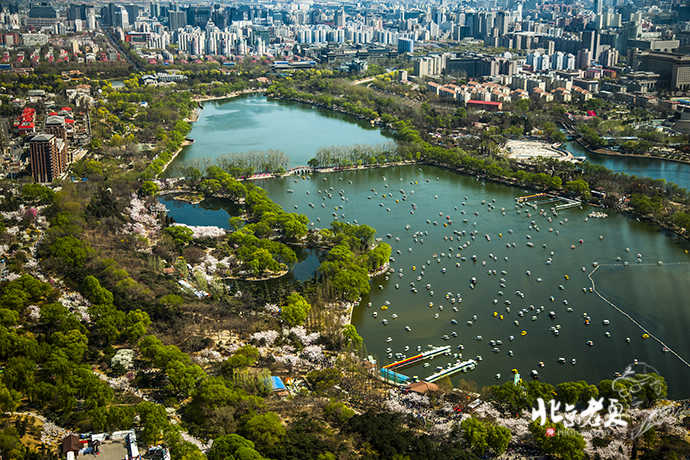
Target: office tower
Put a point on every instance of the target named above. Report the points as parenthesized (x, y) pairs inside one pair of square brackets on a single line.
[(154, 10), (584, 58), (120, 17), (590, 38), (405, 45), (177, 19), (502, 21), (340, 18), (609, 57)]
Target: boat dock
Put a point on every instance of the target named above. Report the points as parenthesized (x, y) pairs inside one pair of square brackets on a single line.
[(393, 377), (463, 366), (529, 197), (549, 198), (418, 358), (568, 204)]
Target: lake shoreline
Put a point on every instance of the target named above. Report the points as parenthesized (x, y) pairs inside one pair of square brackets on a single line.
[(501, 180), (232, 95), (612, 153)]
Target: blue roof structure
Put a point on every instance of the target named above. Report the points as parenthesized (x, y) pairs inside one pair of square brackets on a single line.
[(277, 383)]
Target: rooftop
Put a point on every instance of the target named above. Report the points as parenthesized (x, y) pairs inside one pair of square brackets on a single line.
[(42, 137)]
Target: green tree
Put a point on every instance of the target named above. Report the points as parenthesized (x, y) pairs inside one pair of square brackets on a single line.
[(233, 447), (482, 437), (244, 357), (149, 188), (579, 187), (352, 337), (153, 421), (266, 430), (566, 444), (296, 310), (323, 379), (180, 234), (73, 343), (338, 412), (94, 292)]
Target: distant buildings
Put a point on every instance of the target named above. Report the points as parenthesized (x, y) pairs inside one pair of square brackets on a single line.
[(673, 69)]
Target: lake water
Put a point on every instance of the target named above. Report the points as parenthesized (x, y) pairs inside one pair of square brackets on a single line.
[(655, 295), (253, 123), (678, 173)]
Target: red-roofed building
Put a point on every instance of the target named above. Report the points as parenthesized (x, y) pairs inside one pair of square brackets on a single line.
[(27, 127), (490, 106)]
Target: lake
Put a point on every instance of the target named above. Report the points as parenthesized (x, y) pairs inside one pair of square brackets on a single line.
[(655, 295), (253, 123)]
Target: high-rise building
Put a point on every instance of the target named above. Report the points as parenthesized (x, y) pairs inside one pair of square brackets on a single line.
[(47, 157), (609, 57), (340, 18), (176, 19), (584, 58), (405, 45), (75, 11), (502, 21), (590, 38), (598, 7), (198, 16), (120, 17)]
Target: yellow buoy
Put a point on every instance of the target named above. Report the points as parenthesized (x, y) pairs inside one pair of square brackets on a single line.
[(500, 235), (384, 307), (397, 201), (414, 267), (523, 333), (566, 277), (645, 336), (501, 317), (495, 314)]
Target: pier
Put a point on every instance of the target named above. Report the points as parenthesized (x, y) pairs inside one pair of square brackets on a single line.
[(418, 358), (463, 366), (550, 198)]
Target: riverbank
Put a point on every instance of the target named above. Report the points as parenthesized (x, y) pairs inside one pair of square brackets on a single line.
[(231, 95), (184, 144)]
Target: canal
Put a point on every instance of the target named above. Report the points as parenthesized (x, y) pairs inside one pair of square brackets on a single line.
[(654, 294)]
